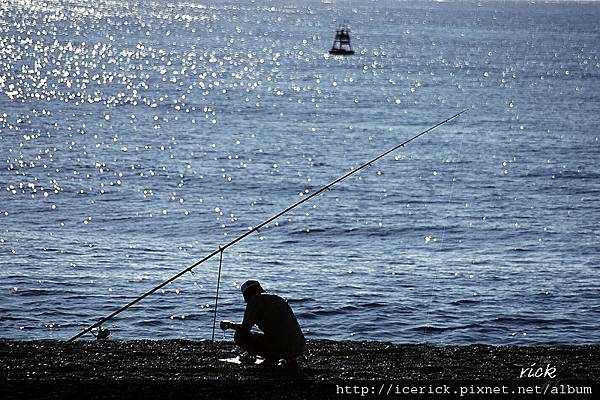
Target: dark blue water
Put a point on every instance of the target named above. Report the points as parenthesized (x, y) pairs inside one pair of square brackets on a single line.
[(138, 136)]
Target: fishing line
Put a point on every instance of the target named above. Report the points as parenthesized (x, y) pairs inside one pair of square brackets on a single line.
[(217, 295), (442, 243), (262, 224)]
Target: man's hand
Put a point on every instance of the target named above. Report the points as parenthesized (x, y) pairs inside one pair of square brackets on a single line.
[(225, 325)]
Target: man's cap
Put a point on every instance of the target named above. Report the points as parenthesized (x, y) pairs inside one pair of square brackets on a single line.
[(248, 284)]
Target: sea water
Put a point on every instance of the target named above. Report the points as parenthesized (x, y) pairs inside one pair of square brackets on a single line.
[(136, 137)]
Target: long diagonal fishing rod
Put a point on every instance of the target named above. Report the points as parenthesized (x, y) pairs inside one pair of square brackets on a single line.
[(256, 228)]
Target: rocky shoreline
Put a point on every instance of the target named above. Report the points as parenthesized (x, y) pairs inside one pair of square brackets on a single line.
[(194, 369)]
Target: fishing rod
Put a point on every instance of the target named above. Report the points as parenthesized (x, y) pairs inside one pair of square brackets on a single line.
[(259, 226)]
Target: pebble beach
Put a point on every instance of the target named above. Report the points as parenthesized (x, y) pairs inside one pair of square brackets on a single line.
[(329, 369)]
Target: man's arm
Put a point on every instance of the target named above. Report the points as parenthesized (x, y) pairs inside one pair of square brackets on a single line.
[(250, 318), (230, 325)]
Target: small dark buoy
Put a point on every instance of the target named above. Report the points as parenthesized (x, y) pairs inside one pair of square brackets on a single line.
[(341, 42)]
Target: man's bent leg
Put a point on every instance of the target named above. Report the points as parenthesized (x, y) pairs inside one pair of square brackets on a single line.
[(252, 342)]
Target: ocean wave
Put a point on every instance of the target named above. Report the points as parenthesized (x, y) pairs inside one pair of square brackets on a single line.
[(465, 301), (443, 328), (521, 320)]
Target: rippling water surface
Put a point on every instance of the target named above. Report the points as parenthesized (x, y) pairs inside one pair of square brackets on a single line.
[(138, 136)]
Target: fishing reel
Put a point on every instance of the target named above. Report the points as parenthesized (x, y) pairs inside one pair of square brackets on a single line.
[(102, 334)]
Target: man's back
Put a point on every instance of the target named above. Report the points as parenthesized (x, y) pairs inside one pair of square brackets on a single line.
[(275, 318)]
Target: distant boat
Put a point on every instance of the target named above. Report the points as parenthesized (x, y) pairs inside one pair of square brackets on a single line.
[(341, 42)]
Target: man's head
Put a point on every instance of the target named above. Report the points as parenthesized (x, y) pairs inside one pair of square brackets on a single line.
[(251, 288)]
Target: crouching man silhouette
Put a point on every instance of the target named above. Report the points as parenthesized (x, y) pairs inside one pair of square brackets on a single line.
[(281, 340)]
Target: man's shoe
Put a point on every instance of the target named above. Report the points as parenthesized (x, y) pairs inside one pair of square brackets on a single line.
[(247, 359), (269, 363), (290, 363)]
